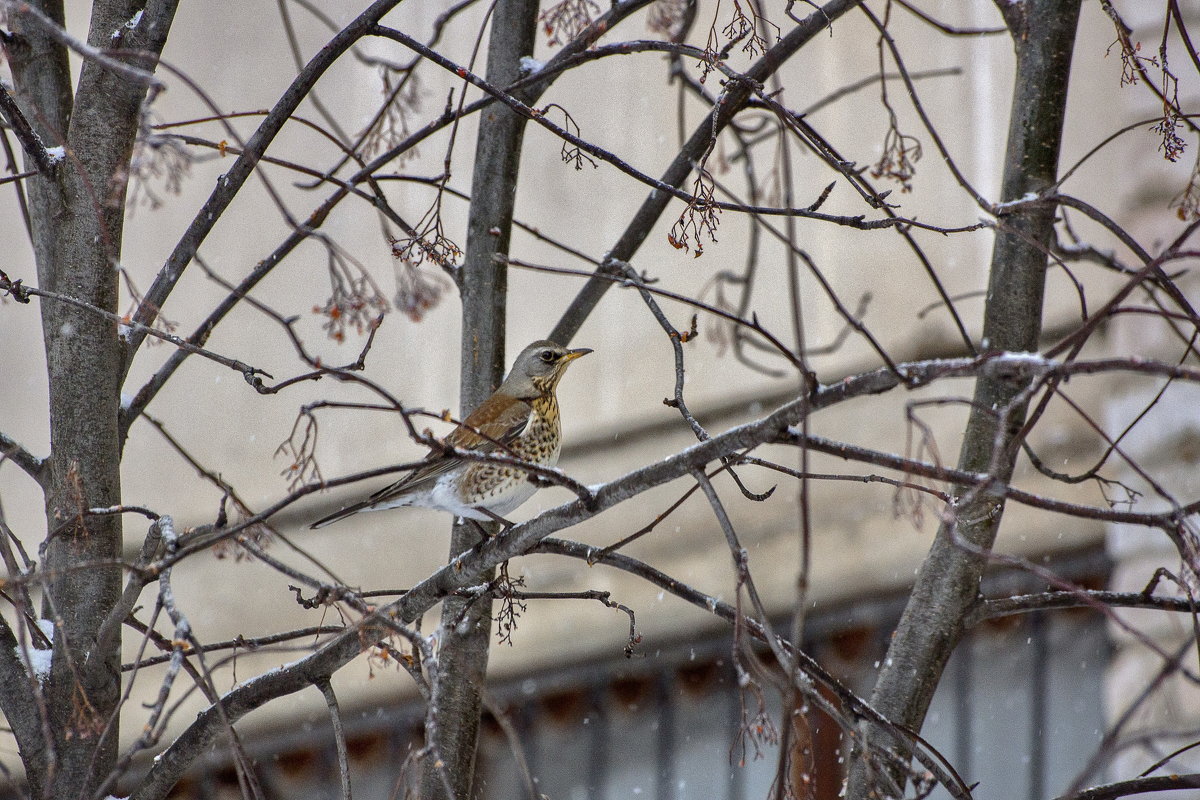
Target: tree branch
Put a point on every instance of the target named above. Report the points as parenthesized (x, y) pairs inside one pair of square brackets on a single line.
[(22, 701), (251, 374), (661, 186), (856, 707), (1157, 783), (1044, 601), (31, 143), (30, 464), (55, 30)]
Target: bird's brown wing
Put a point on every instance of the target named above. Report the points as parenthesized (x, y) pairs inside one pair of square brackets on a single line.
[(500, 419)]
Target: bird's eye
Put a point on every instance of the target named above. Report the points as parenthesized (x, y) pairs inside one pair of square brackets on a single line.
[(547, 356)]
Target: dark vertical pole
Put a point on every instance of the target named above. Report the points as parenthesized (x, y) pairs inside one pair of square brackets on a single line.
[(964, 723), (598, 766), (1038, 698), (664, 702)]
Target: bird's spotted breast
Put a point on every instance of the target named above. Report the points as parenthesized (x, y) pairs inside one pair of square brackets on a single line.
[(539, 443)]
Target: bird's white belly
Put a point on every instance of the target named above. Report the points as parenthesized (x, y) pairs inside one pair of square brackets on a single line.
[(500, 498)]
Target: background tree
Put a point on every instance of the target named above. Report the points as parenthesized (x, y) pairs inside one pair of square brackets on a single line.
[(85, 116)]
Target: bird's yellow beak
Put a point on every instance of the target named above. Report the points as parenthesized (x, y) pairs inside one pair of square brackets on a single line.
[(571, 355)]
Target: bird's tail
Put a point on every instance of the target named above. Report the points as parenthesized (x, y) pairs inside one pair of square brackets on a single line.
[(342, 514)]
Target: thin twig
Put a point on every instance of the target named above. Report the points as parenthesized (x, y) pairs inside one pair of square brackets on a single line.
[(339, 736), (251, 374)]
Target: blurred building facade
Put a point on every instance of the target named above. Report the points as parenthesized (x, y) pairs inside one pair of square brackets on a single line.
[(665, 724)]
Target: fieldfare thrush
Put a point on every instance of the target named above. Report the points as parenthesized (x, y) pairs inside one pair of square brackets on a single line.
[(519, 419)]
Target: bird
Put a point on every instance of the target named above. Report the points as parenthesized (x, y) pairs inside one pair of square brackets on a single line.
[(519, 419)]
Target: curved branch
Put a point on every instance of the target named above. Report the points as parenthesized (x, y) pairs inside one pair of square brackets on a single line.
[(30, 464), (1158, 783), (860, 708), (248, 372)]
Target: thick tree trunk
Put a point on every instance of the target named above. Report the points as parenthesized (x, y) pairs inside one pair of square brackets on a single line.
[(77, 215), (1043, 33), (466, 625)]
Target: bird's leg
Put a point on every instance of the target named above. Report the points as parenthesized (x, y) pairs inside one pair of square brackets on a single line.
[(484, 536), (504, 524), (482, 531)]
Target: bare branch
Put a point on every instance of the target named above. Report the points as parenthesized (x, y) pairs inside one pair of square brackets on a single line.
[(859, 708), (855, 221), (241, 642), (339, 737), (1157, 783), (107, 636), (681, 166), (251, 374), (26, 135), (32, 466), (22, 701), (1029, 603)]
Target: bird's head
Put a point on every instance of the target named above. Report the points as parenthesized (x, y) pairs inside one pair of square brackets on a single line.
[(539, 367)]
